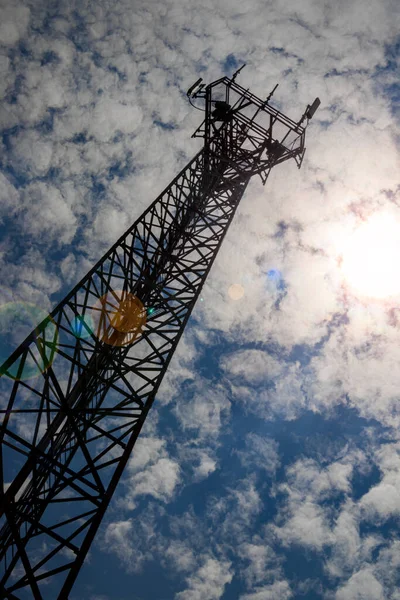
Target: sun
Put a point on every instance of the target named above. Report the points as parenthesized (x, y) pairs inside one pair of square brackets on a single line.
[(371, 258)]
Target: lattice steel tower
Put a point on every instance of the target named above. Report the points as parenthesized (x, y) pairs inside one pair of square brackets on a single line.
[(75, 394)]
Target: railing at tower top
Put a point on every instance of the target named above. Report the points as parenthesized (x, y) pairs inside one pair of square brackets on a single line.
[(227, 101)]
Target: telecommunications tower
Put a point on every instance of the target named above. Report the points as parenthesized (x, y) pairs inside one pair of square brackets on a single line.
[(75, 394)]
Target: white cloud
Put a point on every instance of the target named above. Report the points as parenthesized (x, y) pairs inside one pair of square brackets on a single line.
[(134, 541), (181, 556), (362, 564), (8, 195), (33, 153), (117, 538), (109, 224), (150, 473), (277, 389), (31, 279), (251, 366), (261, 452), (181, 368), (311, 480), (346, 543), (208, 582), (248, 501), (68, 268), (383, 500), (361, 586), (303, 520), (45, 214), (207, 411), (279, 590), (206, 466), (386, 568), (308, 526), (262, 563), (4, 67), (147, 451), (110, 116), (14, 22), (235, 513)]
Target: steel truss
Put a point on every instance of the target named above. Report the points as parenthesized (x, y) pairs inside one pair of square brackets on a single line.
[(68, 432)]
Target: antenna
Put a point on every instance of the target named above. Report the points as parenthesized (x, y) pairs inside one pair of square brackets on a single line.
[(190, 92), (312, 109), (238, 71), (194, 90), (271, 94)]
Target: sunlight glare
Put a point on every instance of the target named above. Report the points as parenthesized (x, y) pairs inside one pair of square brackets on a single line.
[(371, 259)]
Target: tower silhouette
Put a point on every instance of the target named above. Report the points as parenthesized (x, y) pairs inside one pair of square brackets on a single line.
[(76, 392)]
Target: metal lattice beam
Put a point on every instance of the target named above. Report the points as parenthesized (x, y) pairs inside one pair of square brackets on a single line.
[(99, 358)]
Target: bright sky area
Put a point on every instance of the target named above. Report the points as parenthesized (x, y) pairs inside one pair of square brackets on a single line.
[(269, 467)]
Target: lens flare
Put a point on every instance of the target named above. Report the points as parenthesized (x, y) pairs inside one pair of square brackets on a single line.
[(371, 258), (119, 318), (82, 326), (17, 320), (236, 291), (275, 278)]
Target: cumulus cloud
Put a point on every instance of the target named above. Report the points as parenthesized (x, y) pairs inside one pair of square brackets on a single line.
[(304, 520), (262, 562), (14, 22), (150, 473), (308, 526), (111, 116), (159, 480), (8, 195), (207, 410), (360, 560), (267, 385), (252, 366), (206, 466), (383, 501), (94, 124), (235, 513), (208, 582), (362, 585), (181, 556), (46, 214), (116, 537), (279, 589), (260, 452), (138, 542)]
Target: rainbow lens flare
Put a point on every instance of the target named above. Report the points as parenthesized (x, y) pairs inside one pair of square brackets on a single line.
[(82, 326), (17, 319)]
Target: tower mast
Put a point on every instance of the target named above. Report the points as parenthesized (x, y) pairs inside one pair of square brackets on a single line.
[(76, 392)]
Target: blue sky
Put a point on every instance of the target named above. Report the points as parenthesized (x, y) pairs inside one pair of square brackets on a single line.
[(269, 467)]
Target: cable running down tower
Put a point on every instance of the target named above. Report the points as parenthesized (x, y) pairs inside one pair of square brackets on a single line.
[(75, 394)]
